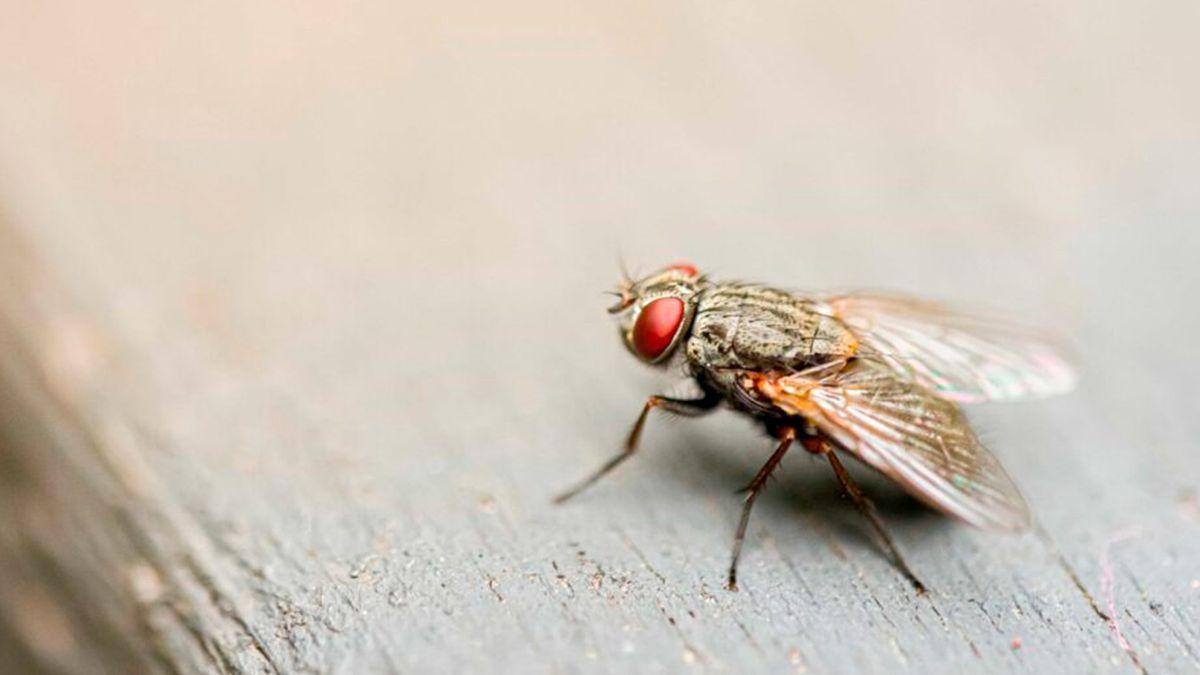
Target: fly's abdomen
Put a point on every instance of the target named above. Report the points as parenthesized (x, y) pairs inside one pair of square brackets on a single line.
[(757, 328)]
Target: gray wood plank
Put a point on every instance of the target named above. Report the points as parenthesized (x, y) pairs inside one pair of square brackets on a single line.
[(297, 344)]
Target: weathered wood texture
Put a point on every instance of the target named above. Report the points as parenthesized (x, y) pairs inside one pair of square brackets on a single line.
[(301, 327)]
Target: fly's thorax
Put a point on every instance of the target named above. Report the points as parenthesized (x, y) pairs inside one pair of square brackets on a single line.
[(744, 326)]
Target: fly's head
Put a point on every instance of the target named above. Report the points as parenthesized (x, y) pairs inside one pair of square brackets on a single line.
[(656, 312)]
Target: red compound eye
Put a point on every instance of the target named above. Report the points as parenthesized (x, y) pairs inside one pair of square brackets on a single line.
[(685, 267), (656, 326)]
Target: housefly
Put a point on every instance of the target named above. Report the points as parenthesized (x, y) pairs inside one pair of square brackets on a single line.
[(875, 376)]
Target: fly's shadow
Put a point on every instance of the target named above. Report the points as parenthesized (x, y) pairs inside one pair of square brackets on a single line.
[(803, 490), (706, 463)]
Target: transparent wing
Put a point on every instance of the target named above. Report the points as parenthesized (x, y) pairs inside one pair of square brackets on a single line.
[(905, 431), (963, 358)]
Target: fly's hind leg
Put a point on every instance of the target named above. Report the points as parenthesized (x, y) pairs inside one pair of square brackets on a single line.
[(820, 446), (678, 406)]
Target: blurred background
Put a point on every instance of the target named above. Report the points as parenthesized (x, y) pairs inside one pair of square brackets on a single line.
[(312, 265)]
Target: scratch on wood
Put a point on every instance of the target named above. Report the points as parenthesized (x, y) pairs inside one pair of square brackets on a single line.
[(1072, 574), (641, 556), (1108, 588), (494, 587)]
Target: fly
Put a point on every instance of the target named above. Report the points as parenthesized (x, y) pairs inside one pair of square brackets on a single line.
[(877, 377)]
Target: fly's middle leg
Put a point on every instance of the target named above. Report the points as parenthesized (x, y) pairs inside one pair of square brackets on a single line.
[(787, 436)]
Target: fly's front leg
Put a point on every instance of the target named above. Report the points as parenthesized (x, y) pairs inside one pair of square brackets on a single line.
[(677, 406)]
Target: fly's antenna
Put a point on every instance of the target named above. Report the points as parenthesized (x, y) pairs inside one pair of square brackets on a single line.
[(626, 279), (624, 290)]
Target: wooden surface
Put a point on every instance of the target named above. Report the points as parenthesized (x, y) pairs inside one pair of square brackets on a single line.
[(301, 328)]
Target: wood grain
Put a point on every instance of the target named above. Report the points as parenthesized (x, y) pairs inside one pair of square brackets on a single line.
[(301, 329)]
